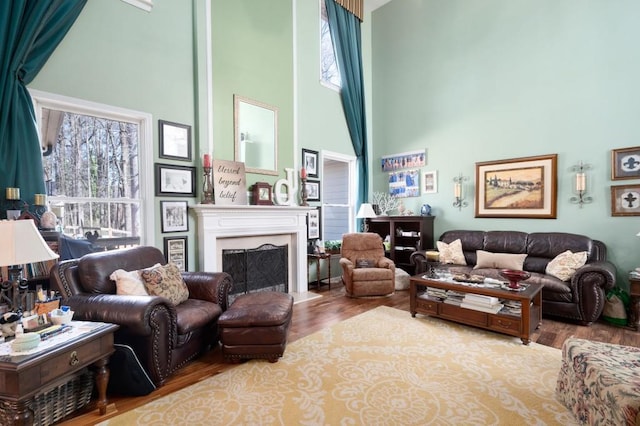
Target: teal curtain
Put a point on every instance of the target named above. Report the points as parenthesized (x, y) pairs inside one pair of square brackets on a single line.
[(347, 41), (30, 30)]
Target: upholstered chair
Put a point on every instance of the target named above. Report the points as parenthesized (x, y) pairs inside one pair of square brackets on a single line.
[(365, 269), (165, 334)]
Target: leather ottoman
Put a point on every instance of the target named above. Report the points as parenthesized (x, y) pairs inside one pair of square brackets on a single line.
[(256, 326)]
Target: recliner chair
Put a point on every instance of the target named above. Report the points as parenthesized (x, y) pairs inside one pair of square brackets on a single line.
[(365, 269)]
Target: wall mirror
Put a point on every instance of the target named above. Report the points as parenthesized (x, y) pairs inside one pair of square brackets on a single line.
[(256, 135)]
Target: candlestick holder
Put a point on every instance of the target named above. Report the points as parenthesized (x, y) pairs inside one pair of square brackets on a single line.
[(303, 192), (207, 187)]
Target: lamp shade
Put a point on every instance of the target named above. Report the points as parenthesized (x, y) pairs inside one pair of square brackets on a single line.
[(365, 211), (20, 242)]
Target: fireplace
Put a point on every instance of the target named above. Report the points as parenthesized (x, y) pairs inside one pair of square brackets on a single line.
[(247, 227), (263, 268)]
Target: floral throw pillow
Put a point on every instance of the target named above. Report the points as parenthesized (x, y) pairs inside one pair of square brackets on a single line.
[(564, 265), (451, 253), (165, 281)]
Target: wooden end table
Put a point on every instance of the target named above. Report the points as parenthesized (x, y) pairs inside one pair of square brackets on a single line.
[(634, 307), (24, 377), (317, 257)]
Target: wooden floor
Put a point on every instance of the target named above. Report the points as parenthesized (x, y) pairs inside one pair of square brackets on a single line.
[(331, 308)]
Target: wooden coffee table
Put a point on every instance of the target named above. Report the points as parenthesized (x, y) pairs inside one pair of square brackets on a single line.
[(24, 377), (520, 326)]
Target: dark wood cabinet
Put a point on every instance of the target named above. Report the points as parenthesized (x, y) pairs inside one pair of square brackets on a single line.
[(406, 235)]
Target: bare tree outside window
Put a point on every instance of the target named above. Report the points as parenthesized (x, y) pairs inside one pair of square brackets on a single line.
[(92, 171), (329, 73)]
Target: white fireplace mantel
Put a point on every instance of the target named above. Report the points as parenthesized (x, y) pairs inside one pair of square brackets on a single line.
[(216, 223)]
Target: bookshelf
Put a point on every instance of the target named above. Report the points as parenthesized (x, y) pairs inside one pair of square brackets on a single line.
[(406, 234)]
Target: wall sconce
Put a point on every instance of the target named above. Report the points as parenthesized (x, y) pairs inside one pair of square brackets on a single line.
[(457, 191), (580, 184)]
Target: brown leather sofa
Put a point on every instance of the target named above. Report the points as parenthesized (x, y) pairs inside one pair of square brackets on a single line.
[(580, 299), (163, 336)]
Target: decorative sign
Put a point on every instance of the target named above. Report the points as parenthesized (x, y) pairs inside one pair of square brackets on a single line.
[(229, 183), (284, 190)]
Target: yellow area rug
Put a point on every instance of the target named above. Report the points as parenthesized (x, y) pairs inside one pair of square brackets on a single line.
[(381, 367)]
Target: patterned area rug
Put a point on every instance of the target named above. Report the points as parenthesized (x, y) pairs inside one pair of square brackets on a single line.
[(378, 368)]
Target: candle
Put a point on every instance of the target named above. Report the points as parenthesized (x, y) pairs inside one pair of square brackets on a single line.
[(303, 173), (581, 182), (206, 162), (13, 193), (457, 190), (40, 199)]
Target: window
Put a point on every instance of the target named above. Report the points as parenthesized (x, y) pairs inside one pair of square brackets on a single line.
[(94, 162), (329, 73), (337, 195)]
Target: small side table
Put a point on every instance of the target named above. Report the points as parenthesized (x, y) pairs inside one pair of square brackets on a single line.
[(317, 257), (634, 307)]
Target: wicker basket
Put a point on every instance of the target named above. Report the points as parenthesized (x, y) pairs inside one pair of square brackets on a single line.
[(55, 403)]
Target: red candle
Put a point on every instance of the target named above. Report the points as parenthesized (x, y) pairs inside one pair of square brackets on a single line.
[(303, 173), (207, 160)]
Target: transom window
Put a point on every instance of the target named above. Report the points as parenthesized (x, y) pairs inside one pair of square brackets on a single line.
[(329, 73)]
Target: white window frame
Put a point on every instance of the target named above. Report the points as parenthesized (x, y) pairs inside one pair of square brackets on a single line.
[(351, 184), (142, 119)]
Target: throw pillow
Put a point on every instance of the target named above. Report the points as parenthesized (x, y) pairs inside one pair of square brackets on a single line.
[(165, 281), (365, 263), (564, 265), (451, 253), (128, 283), (486, 259)]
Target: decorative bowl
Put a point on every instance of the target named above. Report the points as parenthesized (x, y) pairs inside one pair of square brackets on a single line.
[(25, 342), (514, 276), (58, 316)]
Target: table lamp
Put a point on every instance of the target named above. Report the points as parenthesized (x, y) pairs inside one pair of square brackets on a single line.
[(365, 212), (21, 244)]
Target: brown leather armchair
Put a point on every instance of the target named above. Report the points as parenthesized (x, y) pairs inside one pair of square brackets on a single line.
[(365, 270), (163, 336)]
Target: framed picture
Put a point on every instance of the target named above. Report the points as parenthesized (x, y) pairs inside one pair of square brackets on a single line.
[(430, 182), (175, 140), (625, 200), (404, 183), (310, 162), (625, 163), (517, 188), (313, 190), (404, 160), (175, 181), (313, 224), (175, 251), (174, 216)]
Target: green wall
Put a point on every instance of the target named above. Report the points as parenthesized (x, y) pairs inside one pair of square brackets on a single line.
[(481, 81), (122, 56), (253, 57)]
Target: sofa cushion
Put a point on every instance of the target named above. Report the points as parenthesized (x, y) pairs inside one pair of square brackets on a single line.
[(451, 253), (165, 281), (128, 283), (487, 259), (564, 265)]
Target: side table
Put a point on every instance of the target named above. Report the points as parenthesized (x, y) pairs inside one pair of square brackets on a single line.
[(634, 308), (25, 377), (317, 257)]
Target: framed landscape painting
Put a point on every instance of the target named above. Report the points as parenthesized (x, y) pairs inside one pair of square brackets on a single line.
[(517, 188)]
